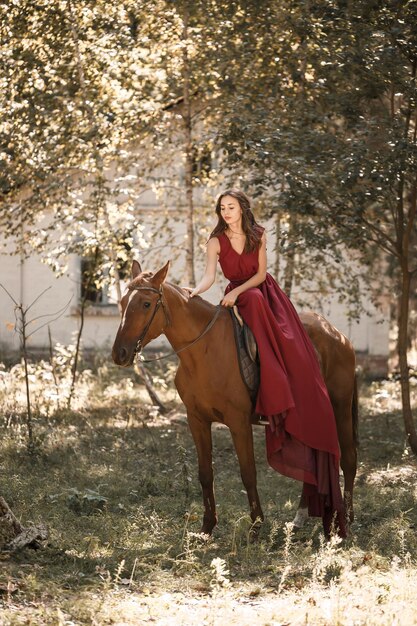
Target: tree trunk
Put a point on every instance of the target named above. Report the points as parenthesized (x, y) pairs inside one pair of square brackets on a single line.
[(290, 256), (31, 443), (277, 244), (402, 353), (14, 536), (189, 156), (300, 103), (10, 526), (83, 306), (144, 375)]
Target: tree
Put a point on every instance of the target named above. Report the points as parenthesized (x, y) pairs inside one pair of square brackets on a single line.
[(181, 44), (73, 96), (71, 102), (348, 155)]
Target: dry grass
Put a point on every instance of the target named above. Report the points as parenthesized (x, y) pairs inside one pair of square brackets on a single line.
[(116, 483)]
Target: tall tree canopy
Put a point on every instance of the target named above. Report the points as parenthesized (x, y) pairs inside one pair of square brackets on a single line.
[(310, 105), (335, 134)]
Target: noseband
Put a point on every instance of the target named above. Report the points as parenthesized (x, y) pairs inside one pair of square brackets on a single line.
[(160, 302)]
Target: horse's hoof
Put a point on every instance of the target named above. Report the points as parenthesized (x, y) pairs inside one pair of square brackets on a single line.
[(255, 530), (300, 518), (204, 536), (350, 515)]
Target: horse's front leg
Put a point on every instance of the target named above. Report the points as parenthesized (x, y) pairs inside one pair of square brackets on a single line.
[(243, 441), (201, 432)]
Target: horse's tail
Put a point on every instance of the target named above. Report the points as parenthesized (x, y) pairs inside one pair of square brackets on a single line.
[(355, 413)]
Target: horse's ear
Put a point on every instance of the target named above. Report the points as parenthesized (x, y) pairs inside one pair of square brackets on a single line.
[(159, 277), (136, 269)]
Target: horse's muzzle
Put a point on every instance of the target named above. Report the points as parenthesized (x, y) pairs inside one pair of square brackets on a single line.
[(123, 356)]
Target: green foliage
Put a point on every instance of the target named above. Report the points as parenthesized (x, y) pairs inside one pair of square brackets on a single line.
[(309, 105), (331, 130), (72, 93)]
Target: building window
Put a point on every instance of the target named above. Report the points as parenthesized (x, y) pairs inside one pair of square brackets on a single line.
[(90, 281), (96, 288)]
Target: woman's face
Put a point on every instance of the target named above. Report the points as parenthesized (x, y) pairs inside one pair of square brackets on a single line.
[(230, 210)]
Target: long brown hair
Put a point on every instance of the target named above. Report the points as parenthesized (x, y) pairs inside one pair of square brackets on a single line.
[(250, 227)]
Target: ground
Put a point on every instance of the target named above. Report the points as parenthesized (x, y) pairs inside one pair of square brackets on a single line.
[(117, 485)]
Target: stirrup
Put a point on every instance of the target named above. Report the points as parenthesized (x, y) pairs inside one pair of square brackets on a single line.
[(258, 420)]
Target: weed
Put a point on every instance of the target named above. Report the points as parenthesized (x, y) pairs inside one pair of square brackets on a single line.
[(220, 574), (289, 528)]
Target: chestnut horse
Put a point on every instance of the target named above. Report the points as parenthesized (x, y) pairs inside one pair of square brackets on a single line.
[(209, 382)]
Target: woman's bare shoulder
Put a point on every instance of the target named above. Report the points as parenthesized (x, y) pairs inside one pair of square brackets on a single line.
[(213, 244)]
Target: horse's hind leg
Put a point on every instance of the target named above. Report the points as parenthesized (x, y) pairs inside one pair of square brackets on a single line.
[(201, 432), (301, 515), (243, 442), (348, 460)]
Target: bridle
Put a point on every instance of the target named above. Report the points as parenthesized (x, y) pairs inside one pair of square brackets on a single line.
[(161, 302)]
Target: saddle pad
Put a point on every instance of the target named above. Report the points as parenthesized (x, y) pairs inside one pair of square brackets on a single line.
[(249, 368)]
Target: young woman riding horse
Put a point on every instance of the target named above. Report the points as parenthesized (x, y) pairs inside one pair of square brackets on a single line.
[(301, 438), (302, 435)]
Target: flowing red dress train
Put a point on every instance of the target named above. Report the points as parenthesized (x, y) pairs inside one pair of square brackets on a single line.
[(301, 440)]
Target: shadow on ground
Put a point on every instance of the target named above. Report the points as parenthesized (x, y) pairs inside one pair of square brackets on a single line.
[(120, 495)]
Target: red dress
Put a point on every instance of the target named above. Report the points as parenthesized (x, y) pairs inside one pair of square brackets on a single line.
[(301, 440)]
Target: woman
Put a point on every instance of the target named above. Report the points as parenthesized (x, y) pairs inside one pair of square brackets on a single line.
[(301, 438)]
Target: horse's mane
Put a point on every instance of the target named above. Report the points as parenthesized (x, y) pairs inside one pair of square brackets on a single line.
[(183, 292), (180, 290)]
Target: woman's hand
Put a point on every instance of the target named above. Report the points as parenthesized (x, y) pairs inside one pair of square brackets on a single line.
[(213, 250), (230, 298), (191, 291)]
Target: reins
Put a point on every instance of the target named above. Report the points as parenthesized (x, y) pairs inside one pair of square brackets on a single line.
[(160, 301)]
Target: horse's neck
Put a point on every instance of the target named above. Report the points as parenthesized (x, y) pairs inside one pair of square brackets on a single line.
[(189, 316)]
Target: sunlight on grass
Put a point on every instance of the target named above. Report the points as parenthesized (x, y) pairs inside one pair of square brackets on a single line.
[(382, 396), (117, 485)]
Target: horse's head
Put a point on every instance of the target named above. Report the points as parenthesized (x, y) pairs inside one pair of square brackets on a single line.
[(144, 314)]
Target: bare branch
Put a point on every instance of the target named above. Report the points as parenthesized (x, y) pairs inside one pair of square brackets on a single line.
[(382, 236), (38, 317), (58, 315), (37, 298), (9, 294)]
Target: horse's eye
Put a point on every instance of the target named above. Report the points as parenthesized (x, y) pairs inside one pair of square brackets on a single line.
[(146, 305)]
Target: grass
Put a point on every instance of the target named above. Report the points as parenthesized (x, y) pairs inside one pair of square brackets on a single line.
[(117, 485)]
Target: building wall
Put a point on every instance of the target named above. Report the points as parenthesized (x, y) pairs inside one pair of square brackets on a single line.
[(29, 279), (26, 280)]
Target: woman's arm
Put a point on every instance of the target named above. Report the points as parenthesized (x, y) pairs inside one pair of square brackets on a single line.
[(213, 249), (258, 278)]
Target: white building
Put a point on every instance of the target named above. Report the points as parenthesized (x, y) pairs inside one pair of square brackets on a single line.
[(26, 279)]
